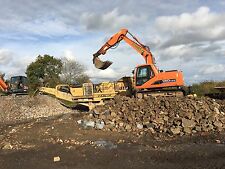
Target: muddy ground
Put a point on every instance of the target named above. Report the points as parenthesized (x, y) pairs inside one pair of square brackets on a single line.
[(34, 145)]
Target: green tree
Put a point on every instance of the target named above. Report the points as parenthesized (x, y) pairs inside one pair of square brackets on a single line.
[(44, 72), (73, 72)]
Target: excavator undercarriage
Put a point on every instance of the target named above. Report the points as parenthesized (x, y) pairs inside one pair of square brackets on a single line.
[(177, 92)]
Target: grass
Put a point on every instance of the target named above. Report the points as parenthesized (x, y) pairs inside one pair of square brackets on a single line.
[(207, 87)]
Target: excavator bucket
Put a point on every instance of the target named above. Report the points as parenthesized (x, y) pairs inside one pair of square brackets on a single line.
[(101, 64)]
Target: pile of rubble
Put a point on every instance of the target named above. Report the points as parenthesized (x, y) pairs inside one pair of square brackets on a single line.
[(176, 116), (23, 108)]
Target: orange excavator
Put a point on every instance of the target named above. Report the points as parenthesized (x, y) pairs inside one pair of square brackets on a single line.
[(3, 86), (16, 85), (148, 79)]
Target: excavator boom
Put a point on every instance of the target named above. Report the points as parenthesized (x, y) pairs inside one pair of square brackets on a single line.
[(115, 40)]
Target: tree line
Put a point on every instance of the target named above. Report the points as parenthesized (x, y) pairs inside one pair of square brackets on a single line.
[(49, 71), (206, 87)]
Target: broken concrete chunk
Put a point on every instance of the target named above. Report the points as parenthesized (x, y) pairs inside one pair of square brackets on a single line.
[(175, 130), (7, 146), (88, 124), (56, 159), (113, 114), (100, 125), (128, 127), (188, 123), (187, 130), (139, 126), (105, 144), (218, 124)]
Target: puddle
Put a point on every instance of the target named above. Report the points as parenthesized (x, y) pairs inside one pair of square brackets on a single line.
[(105, 144)]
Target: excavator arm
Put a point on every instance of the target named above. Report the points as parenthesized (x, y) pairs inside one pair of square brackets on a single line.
[(115, 40)]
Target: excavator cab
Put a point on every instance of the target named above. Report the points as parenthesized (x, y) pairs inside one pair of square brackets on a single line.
[(143, 74), (19, 84)]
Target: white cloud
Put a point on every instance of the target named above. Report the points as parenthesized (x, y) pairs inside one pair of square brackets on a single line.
[(29, 30), (180, 36), (175, 52), (206, 72), (68, 54), (216, 69), (201, 19), (111, 20), (110, 74), (107, 74), (191, 52), (48, 28), (5, 56), (193, 41), (202, 25), (12, 64)]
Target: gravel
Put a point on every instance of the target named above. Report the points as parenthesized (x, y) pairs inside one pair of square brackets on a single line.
[(22, 108)]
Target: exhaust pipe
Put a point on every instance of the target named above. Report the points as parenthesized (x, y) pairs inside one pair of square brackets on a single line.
[(100, 64)]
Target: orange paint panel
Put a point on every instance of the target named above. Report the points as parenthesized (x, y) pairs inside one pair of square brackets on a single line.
[(163, 76), (3, 85)]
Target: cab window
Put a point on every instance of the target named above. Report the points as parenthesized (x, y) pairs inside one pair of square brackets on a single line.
[(144, 73)]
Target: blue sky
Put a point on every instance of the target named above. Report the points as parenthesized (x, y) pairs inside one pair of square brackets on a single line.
[(182, 34)]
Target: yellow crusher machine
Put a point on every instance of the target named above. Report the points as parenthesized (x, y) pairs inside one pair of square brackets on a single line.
[(89, 94)]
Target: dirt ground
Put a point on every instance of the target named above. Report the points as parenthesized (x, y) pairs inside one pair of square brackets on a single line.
[(35, 144)]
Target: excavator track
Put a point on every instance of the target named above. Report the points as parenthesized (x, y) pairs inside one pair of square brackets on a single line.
[(165, 93)]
